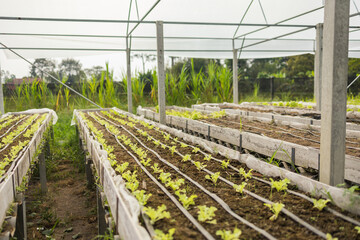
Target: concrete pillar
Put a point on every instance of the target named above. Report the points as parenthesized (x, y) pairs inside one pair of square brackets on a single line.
[(235, 78), (2, 108), (128, 74), (161, 71), (318, 65), (334, 81)]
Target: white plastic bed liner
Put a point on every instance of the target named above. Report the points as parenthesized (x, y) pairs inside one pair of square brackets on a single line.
[(15, 175), (306, 157), (124, 207)]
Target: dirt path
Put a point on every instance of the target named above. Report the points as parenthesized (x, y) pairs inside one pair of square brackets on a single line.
[(68, 210)]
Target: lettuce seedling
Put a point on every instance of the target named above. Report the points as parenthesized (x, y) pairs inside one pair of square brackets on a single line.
[(129, 177), (275, 208), (121, 168), (160, 235), (156, 168), (246, 175), (320, 204), (172, 149), (142, 197), (164, 177), (195, 150), (207, 157), (146, 162), (206, 214), (240, 188), (175, 185), (163, 146), (214, 177), (156, 142), (329, 237), (166, 137), (132, 186), (185, 200), (156, 215), (357, 228), (199, 165), (228, 235), (225, 164), (186, 158), (280, 185), (183, 145)]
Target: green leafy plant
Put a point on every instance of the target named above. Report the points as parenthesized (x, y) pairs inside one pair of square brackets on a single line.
[(357, 228), (206, 214), (228, 234), (156, 168), (121, 168), (183, 145), (172, 150), (199, 165), (280, 185), (275, 208), (207, 157), (329, 237), (142, 197), (225, 164), (213, 177), (164, 177), (160, 235), (175, 185), (246, 175), (146, 162), (320, 204), (240, 188), (195, 150), (185, 200), (132, 186), (158, 214), (186, 158)]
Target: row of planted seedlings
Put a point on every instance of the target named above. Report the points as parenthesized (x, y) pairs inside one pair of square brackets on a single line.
[(21, 137), (287, 146), (188, 192), (304, 116)]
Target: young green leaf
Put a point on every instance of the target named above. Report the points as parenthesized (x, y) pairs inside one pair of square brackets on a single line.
[(199, 165), (246, 175), (329, 237), (186, 158), (320, 204), (224, 164), (280, 185), (207, 157), (175, 185), (156, 168), (240, 188), (206, 214), (160, 235), (142, 197), (164, 177), (195, 150), (275, 208), (228, 235), (185, 200), (214, 177), (156, 215)]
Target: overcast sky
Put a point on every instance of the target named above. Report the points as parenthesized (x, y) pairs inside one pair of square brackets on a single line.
[(228, 11)]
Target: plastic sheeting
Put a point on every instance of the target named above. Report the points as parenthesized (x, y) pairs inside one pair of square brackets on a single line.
[(206, 11)]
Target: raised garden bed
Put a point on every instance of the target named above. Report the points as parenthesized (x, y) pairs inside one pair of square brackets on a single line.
[(270, 148), (21, 136), (161, 167)]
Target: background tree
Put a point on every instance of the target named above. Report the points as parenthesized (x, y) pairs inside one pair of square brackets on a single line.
[(40, 65), (72, 69), (145, 58), (94, 71), (299, 66)]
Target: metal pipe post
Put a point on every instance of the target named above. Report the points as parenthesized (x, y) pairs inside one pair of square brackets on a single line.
[(318, 65), (161, 70), (235, 78), (129, 89), (2, 108), (333, 103)]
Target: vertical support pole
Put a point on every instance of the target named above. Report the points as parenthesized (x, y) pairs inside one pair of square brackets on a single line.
[(161, 70), (235, 78), (21, 228), (318, 65), (272, 89), (2, 108), (334, 76), (42, 171), (128, 73), (100, 214)]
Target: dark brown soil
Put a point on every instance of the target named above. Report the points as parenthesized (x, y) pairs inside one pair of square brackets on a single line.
[(246, 206), (310, 137), (68, 207)]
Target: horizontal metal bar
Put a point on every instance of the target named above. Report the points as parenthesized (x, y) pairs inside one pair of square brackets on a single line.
[(150, 22), (138, 37), (153, 50)]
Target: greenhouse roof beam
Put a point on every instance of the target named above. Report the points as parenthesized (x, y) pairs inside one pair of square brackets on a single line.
[(282, 21), (142, 19), (242, 19)]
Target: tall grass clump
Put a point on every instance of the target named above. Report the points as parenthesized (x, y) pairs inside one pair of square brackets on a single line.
[(224, 84)]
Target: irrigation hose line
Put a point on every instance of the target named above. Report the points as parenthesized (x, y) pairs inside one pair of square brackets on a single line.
[(49, 75), (212, 195), (346, 218), (14, 125)]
